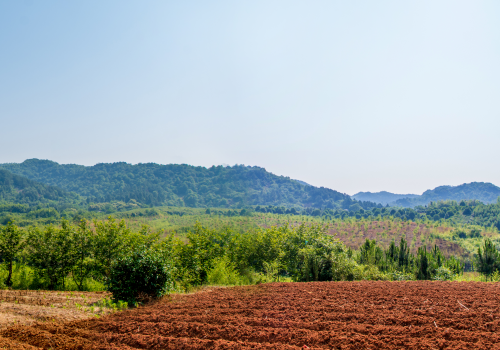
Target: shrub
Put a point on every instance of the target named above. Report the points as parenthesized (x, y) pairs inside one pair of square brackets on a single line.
[(495, 276), (401, 276), (343, 268), (141, 276), (443, 274), (371, 273), (223, 273)]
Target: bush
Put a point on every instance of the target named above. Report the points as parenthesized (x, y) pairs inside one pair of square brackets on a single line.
[(371, 273), (223, 273), (443, 274), (401, 276), (139, 277), (343, 268)]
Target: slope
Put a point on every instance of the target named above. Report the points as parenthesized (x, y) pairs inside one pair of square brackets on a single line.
[(180, 184), (19, 189)]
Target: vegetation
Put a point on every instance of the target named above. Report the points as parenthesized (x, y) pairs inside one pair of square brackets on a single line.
[(144, 274), (178, 185), (451, 212), (453, 238), (108, 228), (488, 259), (402, 264), (21, 190), (140, 264), (121, 187)]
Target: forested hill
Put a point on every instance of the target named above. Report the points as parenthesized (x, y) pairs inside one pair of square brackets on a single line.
[(482, 191), (19, 189), (383, 197), (181, 185)]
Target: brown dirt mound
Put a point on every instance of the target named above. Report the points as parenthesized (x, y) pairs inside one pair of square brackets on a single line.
[(320, 315)]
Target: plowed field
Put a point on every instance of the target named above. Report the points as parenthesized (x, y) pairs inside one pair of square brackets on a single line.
[(26, 307), (322, 315)]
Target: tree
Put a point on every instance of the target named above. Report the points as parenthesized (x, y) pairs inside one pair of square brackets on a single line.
[(82, 249), (50, 253), (10, 245), (110, 243), (487, 260), (423, 264), (392, 253), (140, 276), (404, 253)]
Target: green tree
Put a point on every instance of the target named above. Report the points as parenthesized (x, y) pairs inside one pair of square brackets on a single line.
[(423, 264), (140, 276), (404, 254), (11, 244), (110, 243), (487, 260), (83, 246), (50, 252)]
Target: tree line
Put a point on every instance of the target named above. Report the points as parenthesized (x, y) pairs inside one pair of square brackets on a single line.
[(91, 252), (471, 212)]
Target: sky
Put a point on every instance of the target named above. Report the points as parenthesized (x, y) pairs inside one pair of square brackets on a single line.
[(401, 96)]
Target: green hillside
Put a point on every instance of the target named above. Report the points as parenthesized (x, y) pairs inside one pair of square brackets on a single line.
[(21, 190), (181, 185)]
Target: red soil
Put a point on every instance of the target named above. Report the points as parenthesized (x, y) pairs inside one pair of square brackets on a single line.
[(322, 315)]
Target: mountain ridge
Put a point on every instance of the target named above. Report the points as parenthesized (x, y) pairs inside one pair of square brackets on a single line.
[(485, 192), (180, 184)]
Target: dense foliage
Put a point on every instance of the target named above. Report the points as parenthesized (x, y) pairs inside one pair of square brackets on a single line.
[(398, 260), (137, 265), (178, 184), (488, 259), (84, 253), (143, 275), (21, 190), (110, 188)]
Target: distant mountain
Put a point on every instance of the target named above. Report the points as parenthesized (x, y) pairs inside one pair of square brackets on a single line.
[(180, 185), (382, 197), (19, 189), (483, 191)]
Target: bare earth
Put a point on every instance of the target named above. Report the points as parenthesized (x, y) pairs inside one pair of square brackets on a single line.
[(317, 315), (29, 307)]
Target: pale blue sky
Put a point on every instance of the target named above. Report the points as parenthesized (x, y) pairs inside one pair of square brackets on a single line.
[(400, 96)]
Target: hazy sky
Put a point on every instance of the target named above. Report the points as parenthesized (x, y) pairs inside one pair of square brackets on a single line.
[(352, 95)]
